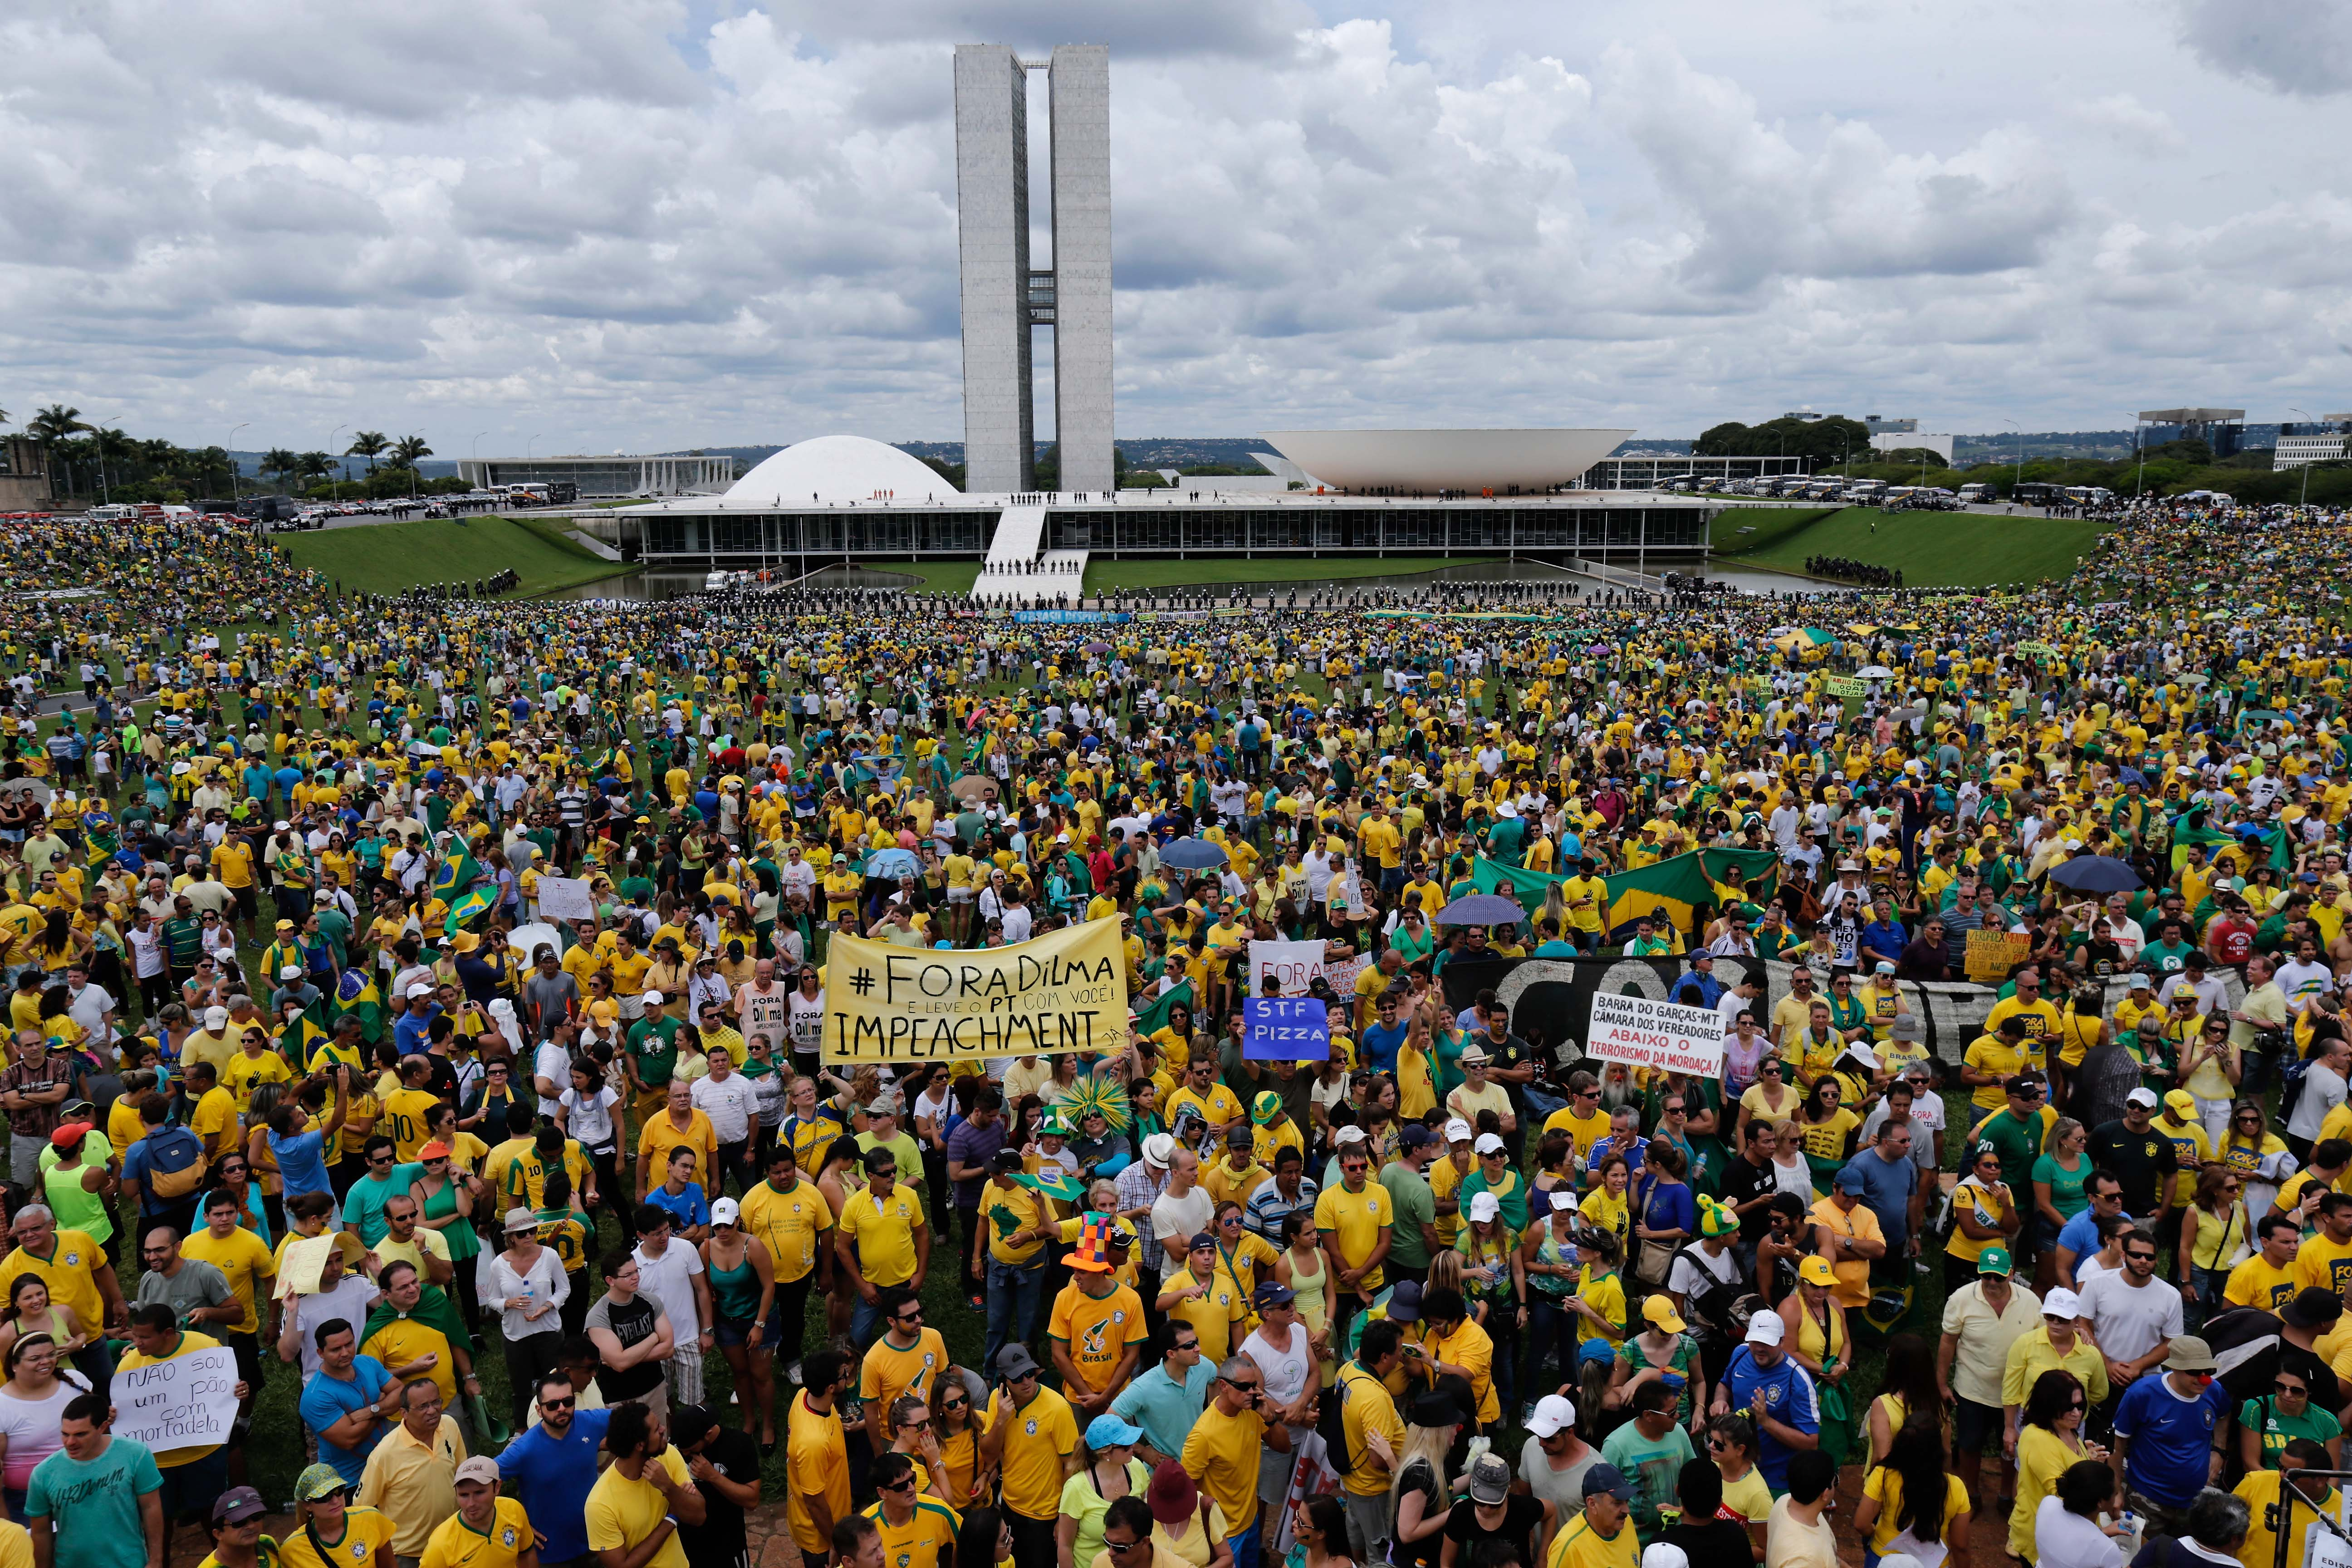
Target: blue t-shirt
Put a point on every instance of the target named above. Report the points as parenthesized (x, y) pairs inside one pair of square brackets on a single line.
[(2171, 1437), (2079, 1236), (1788, 1394), (1377, 1047), (302, 1162), (552, 1477), (1671, 1207), (1886, 1188), (686, 1209), (95, 1504), (326, 1400), (1163, 1408)]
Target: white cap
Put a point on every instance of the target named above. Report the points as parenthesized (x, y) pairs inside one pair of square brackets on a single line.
[(1765, 1329), (1459, 1131), (1553, 1412), (1346, 1135), (1664, 1554), (1486, 1206), (652, 998), (2143, 1096), (291, 972), (216, 1018), (1863, 1053), (419, 989), (724, 1212), (280, 826), (1487, 1145), (2062, 1303)]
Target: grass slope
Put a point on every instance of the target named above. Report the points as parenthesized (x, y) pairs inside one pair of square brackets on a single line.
[(1937, 549), (1763, 525), (1103, 574), (386, 558)]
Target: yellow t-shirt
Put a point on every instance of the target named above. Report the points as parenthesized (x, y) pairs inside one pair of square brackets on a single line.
[(1097, 1330), (456, 1544), (365, 1531), (1357, 1219), (622, 1512), (1221, 1453), (1366, 1406), (788, 1224), (244, 1070), (1043, 1433), (243, 1262), (1578, 1545), (406, 1112), (889, 1371), (882, 1231), (919, 1543)]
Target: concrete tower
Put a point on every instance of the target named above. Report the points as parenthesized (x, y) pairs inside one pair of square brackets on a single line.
[(1004, 296)]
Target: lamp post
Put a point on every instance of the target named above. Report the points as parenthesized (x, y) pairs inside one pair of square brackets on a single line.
[(97, 445), (2020, 458), (232, 465), (341, 472), (2305, 466)]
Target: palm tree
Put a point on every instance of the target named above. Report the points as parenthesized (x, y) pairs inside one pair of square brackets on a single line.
[(368, 443), (280, 461), (407, 450), (313, 466)]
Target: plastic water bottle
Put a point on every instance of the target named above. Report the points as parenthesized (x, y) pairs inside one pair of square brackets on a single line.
[(529, 1298), (2134, 1531)]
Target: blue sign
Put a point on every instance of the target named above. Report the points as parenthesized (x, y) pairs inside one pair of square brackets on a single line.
[(1286, 1029)]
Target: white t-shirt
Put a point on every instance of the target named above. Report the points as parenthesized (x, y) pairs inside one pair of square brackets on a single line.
[(2298, 980), (1176, 1221), (2129, 1321), (350, 1300), (1695, 1273), (588, 1117), (730, 1105), (1927, 1119), (671, 1277), (2323, 1091), (2066, 1540), (554, 1063)]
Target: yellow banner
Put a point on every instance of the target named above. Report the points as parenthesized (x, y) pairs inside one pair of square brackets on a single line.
[(1064, 992)]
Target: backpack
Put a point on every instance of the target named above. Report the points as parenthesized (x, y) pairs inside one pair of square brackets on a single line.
[(1331, 1419), (1722, 1308), (174, 1165)]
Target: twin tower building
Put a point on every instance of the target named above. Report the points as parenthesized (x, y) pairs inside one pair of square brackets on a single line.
[(1004, 294)]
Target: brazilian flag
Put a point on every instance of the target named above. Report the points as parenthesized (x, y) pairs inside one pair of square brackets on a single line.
[(355, 992), (458, 872), (1153, 1018)]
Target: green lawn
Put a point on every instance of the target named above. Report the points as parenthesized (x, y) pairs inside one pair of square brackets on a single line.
[(1103, 574), (386, 558), (1936, 548), (1740, 528), (939, 576)]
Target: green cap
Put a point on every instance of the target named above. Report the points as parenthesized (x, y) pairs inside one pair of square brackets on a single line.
[(1993, 1261), (319, 1480)]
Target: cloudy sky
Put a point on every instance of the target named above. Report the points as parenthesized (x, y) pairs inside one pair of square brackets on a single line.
[(591, 225)]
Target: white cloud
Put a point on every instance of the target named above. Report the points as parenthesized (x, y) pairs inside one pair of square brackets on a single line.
[(658, 222)]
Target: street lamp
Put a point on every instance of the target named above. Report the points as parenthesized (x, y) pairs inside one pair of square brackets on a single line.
[(527, 445), (232, 465), (97, 445), (2020, 458), (342, 472), (2299, 502)]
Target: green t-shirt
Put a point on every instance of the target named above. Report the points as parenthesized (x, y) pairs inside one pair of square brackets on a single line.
[(1415, 1206), (652, 1043), (2278, 1428), (2019, 1144), (2065, 1186)]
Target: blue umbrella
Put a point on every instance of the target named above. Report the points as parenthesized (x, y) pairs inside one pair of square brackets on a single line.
[(1194, 855), (893, 862), (1481, 909), (2095, 874)]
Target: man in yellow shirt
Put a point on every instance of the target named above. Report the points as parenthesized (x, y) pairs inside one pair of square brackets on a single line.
[(1600, 1535), (880, 1238), (1033, 1438), (2267, 1279), (1221, 1452), (646, 1492), (794, 1222), (1355, 1217), (1374, 1435), (488, 1531), (246, 1263)]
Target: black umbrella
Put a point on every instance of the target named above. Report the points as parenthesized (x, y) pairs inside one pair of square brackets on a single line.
[(2097, 874)]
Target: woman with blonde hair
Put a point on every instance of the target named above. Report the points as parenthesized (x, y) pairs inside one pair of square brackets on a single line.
[(1420, 1495)]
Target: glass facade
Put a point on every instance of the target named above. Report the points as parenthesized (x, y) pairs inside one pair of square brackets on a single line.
[(1191, 530)]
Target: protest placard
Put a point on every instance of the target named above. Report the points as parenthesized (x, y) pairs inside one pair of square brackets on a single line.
[(1293, 965), (1065, 991), (566, 898), (188, 1402), (1662, 1035), (1991, 954), (1286, 1029)]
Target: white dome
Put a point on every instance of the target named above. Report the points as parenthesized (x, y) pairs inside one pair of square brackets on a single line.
[(838, 468)]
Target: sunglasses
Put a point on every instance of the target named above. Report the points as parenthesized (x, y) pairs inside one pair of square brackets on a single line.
[(559, 1403), (2292, 1390), (903, 1484), (1239, 1387)]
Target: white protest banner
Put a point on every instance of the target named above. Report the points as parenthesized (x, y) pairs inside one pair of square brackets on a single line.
[(1341, 972), (1664, 1034), (566, 898), (188, 1402), (1294, 964)]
